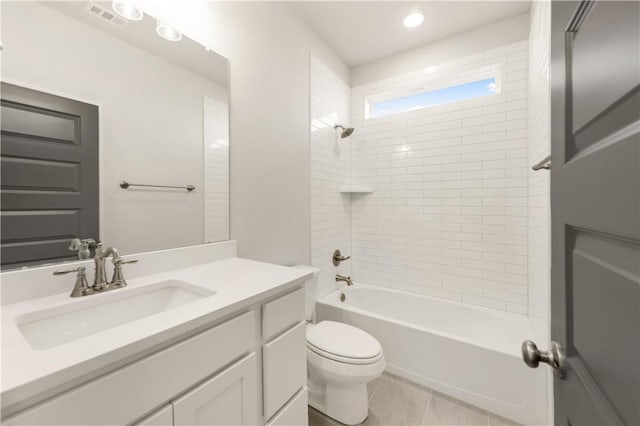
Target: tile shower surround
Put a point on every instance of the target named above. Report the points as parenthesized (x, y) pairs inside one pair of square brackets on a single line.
[(448, 216), (330, 163)]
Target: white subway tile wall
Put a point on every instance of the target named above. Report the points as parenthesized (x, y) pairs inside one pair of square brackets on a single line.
[(330, 162), (216, 170), (449, 213), (539, 190)]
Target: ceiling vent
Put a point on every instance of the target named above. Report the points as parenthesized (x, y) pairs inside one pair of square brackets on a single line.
[(106, 15)]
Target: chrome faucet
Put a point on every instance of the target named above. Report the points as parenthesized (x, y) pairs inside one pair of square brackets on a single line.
[(345, 279), (100, 279), (100, 282)]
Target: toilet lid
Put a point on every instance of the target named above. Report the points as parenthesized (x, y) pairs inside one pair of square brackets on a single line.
[(343, 340)]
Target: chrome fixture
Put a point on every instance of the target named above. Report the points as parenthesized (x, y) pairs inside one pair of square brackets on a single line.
[(545, 163), (346, 132), (555, 357), (81, 288), (127, 10), (82, 246), (100, 283), (100, 278), (118, 280), (345, 279), (124, 185), (338, 257), (168, 32)]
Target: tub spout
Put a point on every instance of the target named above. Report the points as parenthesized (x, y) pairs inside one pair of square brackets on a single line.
[(345, 279)]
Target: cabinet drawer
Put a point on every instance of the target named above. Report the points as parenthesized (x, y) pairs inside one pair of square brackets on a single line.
[(284, 368), (295, 413), (126, 394), (282, 313), (229, 398)]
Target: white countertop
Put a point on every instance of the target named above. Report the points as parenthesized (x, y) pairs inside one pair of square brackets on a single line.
[(29, 375)]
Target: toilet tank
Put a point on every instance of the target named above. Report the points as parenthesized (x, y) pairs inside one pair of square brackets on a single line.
[(311, 291)]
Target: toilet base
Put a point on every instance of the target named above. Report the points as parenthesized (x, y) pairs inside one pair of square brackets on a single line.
[(348, 404)]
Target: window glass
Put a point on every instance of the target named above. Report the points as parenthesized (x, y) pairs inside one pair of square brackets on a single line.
[(461, 92)]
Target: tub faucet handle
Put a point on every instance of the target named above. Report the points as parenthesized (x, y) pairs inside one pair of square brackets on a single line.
[(338, 257)]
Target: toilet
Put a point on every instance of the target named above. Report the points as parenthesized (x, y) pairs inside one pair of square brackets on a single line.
[(341, 360)]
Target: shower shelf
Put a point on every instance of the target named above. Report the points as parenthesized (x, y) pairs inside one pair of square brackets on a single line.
[(356, 189)]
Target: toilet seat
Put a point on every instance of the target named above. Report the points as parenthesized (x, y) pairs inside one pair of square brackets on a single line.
[(343, 343), (344, 359)]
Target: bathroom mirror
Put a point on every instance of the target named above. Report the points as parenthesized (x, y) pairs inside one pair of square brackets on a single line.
[(109, 132)]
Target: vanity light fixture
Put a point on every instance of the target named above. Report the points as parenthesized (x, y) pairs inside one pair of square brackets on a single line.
[(168, 32), (127, 10), (413, 19)]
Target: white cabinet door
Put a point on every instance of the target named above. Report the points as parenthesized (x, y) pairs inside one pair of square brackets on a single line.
[(229, 398), (284, 361), (295, 413), (162, 417)]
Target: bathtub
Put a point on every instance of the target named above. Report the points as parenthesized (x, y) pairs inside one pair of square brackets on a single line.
[(467, 352)]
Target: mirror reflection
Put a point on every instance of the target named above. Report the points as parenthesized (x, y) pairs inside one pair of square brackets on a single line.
[(128, 146)]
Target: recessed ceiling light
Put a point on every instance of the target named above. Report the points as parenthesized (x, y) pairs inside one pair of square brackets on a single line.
[(431, 69), (127, 10), (168, 32), (413, 19)]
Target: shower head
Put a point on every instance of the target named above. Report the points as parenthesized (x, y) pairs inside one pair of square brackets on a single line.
[(345, 132)]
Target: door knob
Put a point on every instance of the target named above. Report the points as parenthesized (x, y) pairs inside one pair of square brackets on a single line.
[(555, 357)]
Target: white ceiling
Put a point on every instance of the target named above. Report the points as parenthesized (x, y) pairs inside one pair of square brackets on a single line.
[(186, 53), (363, 31)]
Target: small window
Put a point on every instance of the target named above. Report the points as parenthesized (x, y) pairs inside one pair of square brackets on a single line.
[(461, 92)]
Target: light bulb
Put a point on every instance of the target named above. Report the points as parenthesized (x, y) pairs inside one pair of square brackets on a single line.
[(168, 32), (127, 10)]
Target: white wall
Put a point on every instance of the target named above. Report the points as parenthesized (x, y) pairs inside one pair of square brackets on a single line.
[(462, 45), (268, 47), (142, 118), (448, 215), (539, 243), (539, 148), (330, 169)]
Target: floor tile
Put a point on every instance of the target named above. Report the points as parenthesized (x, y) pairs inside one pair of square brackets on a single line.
[(394, 401), (318, 419), (443, 410), (397, 402), (373, 385)]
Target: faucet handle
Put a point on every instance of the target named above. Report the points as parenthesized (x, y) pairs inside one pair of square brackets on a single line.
[(81, 287), (118, 277), (80, 269)]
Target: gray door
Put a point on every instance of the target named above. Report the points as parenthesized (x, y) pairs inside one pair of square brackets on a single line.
[(595, 210), (49, 156)]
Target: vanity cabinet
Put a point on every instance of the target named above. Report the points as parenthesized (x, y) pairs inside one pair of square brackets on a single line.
[(227, 399), (162, 417), (285, 368), (228, 374)]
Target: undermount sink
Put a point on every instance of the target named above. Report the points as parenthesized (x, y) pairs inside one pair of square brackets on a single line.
[(52, 327)]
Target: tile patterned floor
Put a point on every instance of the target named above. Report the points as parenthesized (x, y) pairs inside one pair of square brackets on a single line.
[(394, 401)]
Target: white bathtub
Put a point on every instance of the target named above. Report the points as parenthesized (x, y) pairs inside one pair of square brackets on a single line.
[(470, 353)]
